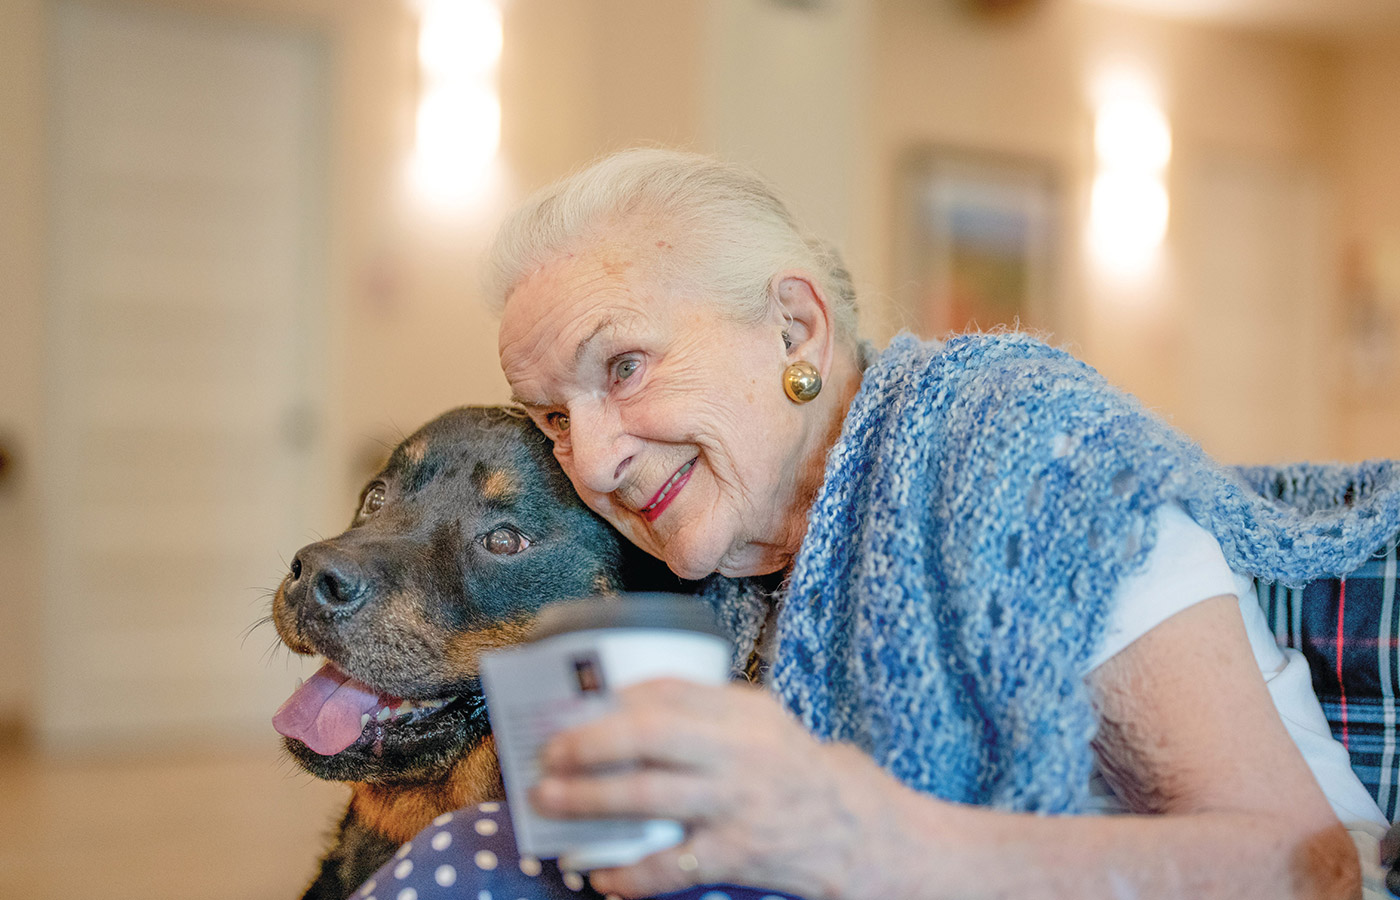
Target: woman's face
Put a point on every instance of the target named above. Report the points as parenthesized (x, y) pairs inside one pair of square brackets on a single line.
[(668, 416)]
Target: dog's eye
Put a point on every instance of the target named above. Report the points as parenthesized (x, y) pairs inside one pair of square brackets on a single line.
[(558, 422), (374, 500), (504, 542)]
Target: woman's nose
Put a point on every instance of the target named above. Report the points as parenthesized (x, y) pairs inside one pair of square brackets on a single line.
[(598, 449)]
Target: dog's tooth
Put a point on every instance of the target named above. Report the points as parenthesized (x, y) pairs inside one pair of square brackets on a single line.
[(383, 715), (404, 708), (364, 719)]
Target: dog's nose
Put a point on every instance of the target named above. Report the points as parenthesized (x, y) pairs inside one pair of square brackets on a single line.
[(333, 583), (333, 589)]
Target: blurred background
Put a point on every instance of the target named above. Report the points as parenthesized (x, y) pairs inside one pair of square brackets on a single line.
[(240, 241)]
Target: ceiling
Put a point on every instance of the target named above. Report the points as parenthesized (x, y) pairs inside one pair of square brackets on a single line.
[(1347, 19)]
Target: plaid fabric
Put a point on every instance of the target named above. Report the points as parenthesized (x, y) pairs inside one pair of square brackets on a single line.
[(1347, 628)]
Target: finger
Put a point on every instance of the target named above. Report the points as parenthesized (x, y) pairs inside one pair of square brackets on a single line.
[(668, 870), (626, 741), (641, 793), (686, 698), (639, 732), (678, 693)]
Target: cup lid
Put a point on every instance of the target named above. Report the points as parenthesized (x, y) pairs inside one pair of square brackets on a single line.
[(674, 612)]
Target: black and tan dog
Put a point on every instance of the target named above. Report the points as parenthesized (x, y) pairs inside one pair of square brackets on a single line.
[(470, 528)]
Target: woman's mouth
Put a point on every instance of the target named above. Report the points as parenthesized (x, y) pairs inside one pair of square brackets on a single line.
[(668, 492)]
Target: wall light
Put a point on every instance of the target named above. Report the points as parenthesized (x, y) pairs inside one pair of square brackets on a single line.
[(1129, 207), (1132, 135), (458, 38), (1127, 220), (458, 126)]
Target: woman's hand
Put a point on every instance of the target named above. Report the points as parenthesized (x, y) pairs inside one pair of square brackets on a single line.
[(763, 802)]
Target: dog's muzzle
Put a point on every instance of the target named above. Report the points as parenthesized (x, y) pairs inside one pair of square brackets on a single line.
[(333, 582)]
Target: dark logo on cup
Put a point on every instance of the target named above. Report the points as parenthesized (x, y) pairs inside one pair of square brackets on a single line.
[(588, 671)]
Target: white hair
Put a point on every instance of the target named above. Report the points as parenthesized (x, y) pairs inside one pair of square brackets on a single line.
[(732, 233)]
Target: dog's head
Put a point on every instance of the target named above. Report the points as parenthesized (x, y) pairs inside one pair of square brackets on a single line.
[(470, 528)]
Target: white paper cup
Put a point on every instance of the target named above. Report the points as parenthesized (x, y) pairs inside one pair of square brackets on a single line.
[(580, 652)]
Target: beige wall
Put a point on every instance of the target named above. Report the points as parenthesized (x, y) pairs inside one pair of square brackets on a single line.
[(1364, 137), (576, 80), (21, 332), (940, 79), (1264, 102), (1024, 87)]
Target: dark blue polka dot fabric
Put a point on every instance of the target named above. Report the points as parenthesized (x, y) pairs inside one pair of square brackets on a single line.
[(471, 854)]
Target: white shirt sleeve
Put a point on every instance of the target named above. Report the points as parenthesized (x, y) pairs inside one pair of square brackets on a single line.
[(1187, 566)]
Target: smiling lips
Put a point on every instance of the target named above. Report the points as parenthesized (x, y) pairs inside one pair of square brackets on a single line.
[(668, 492)]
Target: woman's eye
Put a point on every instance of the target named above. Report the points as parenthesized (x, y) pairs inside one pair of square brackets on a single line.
[(504, 541), (624, 368), (557, 421), (374, 500)]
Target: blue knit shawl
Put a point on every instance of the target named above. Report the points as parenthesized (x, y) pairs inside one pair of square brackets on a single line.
[(982, 504)]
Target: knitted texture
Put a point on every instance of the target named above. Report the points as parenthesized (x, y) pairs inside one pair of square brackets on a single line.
[(982, 504)]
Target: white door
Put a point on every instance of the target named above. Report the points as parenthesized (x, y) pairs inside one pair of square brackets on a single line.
[(183, 359)]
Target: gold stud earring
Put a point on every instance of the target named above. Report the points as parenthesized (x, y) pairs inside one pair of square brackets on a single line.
[(801, 381)]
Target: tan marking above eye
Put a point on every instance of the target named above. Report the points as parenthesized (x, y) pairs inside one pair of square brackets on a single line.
[(499, 485), (415, 451)]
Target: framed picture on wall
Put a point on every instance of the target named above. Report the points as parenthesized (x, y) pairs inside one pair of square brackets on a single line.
[(977, 242)]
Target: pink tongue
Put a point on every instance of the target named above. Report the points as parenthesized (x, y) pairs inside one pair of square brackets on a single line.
[(324, 714)]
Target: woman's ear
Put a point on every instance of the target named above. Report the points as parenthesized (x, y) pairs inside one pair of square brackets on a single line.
[(807, 319)]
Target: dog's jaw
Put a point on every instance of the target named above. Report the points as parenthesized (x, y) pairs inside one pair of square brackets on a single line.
[(401, 811), (412, 752)]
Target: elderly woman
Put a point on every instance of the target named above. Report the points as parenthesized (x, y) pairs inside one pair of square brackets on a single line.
[(981, 589)]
